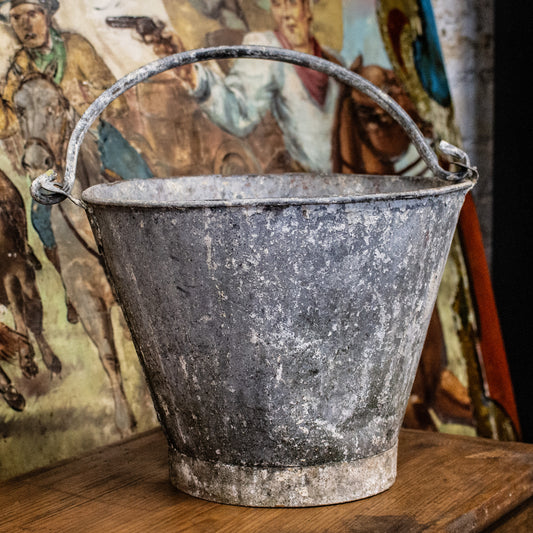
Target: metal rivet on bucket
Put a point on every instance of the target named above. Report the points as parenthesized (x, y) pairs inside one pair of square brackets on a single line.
[(279, 318)]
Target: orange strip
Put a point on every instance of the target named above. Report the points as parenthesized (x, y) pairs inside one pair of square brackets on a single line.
[(492, 347)]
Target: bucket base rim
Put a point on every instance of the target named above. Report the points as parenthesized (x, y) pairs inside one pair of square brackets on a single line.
[(295, 486)]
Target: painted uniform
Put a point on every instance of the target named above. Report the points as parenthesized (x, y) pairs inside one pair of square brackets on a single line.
[(238, 102), (82, 75)]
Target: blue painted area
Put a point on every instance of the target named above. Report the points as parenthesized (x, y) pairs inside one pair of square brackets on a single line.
[(428, 58), (118, 155), (40, 220)]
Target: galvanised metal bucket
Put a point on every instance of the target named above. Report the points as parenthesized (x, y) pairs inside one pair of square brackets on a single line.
[(279, 319)]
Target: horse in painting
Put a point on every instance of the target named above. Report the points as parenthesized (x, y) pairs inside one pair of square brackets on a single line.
[(19, 293), (366, 139), (46, 120)]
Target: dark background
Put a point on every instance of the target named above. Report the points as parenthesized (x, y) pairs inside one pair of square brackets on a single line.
[(512, 265)]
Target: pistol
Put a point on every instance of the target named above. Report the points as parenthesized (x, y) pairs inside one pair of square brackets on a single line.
[(144, 26)]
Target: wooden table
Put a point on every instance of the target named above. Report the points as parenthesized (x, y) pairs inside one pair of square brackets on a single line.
[(445, 483)]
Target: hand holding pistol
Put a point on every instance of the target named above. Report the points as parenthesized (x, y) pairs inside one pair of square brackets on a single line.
[(151, 32), (164, 42)]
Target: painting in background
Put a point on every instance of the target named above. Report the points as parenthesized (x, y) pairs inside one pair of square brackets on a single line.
[(69, 377)]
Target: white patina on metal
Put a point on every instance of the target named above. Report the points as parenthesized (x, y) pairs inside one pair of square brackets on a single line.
[(279, 318), (284, 487)]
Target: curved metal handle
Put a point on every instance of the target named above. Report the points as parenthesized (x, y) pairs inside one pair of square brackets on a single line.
[(47, 190)]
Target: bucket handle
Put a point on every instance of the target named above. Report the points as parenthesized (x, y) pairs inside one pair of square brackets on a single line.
[(48, 190)]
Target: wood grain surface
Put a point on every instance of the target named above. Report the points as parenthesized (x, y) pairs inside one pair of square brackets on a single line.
[(445, 483)]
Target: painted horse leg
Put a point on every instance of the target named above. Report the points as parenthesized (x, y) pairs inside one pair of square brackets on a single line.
[(53, 257), (15, 345), (33, 318), (27, 358), (14, 292), (13, 398), (98, 325)]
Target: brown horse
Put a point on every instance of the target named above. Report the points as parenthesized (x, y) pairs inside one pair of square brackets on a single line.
[(366, 139), (18, 292), (46, 120)]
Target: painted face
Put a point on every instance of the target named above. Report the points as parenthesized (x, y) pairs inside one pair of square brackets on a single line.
[(293, 20), (30, 24)]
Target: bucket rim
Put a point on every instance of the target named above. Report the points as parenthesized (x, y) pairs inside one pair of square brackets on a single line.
[(96, 194)]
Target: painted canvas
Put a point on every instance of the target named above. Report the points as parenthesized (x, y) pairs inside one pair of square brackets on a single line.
[(69, 376)]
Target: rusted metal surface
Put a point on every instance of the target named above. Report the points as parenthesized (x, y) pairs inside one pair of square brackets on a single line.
[(279, 318)]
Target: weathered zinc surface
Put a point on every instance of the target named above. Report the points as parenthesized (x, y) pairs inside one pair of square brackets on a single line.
[(279, 318), (280, 337)]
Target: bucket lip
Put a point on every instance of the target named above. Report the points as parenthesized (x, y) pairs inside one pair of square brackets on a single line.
[(96, 196)]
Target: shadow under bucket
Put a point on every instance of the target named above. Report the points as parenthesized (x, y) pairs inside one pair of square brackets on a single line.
[(279, 320)]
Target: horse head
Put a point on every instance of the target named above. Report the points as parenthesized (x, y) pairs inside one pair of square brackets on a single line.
[(46, 120), (380, 130), (370, 140)]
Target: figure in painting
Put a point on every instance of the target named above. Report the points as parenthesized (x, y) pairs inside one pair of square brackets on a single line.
[(71, 62), (52, 78), (324, 126), (302, 101)]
